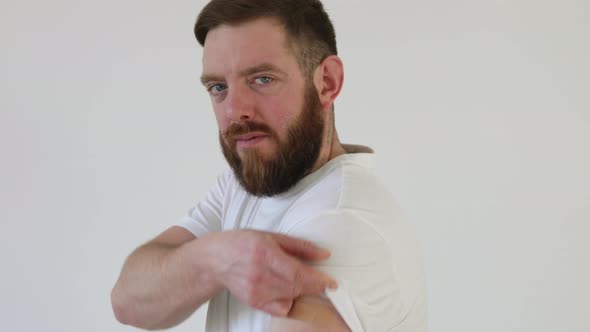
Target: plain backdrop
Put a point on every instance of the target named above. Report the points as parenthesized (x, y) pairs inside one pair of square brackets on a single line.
[(479, 112)]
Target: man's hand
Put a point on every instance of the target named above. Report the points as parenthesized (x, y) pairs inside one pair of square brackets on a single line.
[(266, 270)]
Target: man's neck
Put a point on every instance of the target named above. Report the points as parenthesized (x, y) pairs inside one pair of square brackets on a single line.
[(332, 148)]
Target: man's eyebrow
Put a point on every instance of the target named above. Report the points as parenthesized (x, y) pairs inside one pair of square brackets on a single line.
[(210, 78), (245, 72), (260, 68)]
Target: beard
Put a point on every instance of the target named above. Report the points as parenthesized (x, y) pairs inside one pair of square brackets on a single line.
[(294, 158)]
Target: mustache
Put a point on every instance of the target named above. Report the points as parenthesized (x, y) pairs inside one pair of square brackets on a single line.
[(242, 128)]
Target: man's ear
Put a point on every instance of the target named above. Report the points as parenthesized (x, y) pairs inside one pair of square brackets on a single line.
[(328, 79)]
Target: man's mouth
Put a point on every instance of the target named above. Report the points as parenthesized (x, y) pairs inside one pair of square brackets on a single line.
[(250, 139)]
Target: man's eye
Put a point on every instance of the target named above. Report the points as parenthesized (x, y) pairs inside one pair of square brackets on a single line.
[(263, 80), (216, 88)]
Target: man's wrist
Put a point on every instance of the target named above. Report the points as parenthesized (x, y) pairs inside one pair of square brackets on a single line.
[(203, 259)]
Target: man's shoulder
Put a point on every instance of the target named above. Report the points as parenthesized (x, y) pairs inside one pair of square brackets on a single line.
[(348, 186)]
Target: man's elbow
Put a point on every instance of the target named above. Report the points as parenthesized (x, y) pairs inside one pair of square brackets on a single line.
[(125, 311), (122, 307)]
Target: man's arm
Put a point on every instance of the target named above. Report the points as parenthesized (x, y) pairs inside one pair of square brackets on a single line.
[(166, 280), (310, 314), (160, 285)]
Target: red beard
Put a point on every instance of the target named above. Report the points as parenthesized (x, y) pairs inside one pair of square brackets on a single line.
[(294, 158)]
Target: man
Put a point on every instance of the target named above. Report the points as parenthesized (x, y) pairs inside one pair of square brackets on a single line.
[(252, 247)]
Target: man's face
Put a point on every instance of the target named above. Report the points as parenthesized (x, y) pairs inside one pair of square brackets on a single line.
[(270, 119)]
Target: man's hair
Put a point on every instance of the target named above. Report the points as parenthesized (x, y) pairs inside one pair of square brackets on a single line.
[(310, 33)]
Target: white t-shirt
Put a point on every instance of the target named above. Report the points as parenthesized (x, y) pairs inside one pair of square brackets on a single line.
[(344, 207)]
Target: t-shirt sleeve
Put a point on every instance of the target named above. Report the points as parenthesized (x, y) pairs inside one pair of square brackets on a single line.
[(206, 216), (368, 297)]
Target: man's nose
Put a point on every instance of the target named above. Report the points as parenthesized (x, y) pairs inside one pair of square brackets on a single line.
[(239, 104)]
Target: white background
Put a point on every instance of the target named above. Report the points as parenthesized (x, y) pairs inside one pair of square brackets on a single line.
[(479, 112)]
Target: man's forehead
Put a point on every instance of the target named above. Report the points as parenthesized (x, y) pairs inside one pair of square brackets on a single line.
[(256, 26), (248, 44)]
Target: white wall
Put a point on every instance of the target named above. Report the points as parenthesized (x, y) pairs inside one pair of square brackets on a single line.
[(479, 111)]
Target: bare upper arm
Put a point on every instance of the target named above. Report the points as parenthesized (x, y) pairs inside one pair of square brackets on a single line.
[(310, 314), (174, 236)]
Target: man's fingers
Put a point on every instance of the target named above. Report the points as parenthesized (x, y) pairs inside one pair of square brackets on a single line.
[(302, 278), (278, 307), (303, 249)]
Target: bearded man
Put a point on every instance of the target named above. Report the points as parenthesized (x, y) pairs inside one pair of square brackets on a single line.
[(299, 234)]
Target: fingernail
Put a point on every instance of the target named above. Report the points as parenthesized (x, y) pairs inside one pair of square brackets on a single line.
[(281, 312), (280, 309), (333, 285), (320, 248)]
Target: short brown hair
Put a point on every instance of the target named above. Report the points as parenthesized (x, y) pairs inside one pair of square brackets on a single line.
[(310, 33)]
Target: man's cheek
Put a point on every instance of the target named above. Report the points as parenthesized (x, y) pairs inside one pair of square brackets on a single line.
[(222, 120)]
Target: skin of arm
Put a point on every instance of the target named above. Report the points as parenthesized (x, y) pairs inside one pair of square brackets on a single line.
[(310, 314), (164, 281), (160, 285)]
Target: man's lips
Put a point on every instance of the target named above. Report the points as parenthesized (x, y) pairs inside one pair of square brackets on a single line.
[(249, 136), (250, 139)]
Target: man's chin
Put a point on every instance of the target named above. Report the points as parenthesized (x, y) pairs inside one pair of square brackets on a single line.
[(259, 153)]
